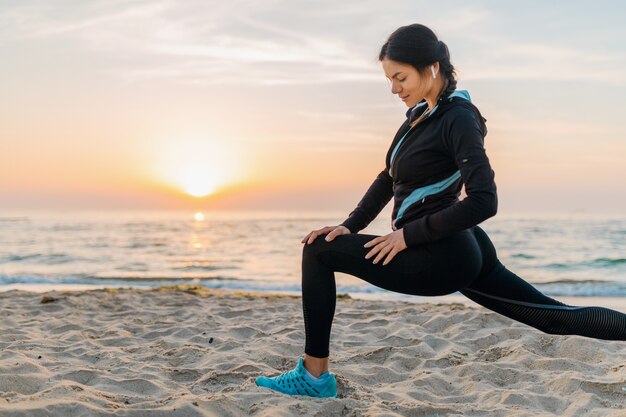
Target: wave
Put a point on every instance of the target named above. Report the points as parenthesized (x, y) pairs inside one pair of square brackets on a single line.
[(191, 268), (79, 279), (17, 258), (608, 262), (140, 245), (594, 263), (148, 279), (15, 219), (70, 227), (522, 256), (50, 259), (588, 288)]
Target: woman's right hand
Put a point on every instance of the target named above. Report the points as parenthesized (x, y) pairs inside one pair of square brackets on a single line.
[(333, 231)]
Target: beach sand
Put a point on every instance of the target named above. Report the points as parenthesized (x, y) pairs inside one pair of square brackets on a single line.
[(196, 352)]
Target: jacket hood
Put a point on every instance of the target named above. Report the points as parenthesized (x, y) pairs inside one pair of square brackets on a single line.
[(445, 103)]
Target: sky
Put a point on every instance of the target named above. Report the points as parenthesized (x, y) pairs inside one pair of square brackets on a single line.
[(282, 105)]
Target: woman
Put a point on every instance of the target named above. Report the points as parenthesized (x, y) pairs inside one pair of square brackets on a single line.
[(436, 247)]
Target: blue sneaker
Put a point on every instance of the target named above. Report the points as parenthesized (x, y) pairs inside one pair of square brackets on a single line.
[(299, 381)]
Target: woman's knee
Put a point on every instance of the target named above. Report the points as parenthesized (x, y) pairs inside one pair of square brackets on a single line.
[(336, 249), (314, 248)]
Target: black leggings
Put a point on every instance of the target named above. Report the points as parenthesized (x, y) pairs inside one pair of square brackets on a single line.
[(465, 262)]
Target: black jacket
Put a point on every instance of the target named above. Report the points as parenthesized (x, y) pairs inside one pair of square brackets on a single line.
[(425, 171)]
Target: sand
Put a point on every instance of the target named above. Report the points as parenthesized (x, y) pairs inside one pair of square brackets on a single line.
[(186, 352)]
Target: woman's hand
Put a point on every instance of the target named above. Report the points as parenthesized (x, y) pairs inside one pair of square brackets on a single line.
[(334, 232), (388, 245)]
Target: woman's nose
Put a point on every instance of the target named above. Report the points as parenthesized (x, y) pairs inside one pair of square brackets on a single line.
[(395, 88)]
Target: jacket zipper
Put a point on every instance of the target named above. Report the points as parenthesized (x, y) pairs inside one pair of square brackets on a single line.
[(391, 162), (401, 143)]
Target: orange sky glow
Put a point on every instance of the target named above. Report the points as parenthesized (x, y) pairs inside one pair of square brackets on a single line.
[(200, 107)]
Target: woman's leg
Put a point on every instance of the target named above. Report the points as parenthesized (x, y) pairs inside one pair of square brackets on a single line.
[(502, 291), (436, 268)]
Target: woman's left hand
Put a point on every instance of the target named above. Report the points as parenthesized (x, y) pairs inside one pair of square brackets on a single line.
[(388, 245)]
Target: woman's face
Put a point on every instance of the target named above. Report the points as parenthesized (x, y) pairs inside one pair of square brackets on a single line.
[(406, 81)]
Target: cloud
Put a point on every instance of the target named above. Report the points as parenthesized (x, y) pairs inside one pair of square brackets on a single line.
[(557, 128), (278, 42), (44, 20), (505, 59), (349, 117)]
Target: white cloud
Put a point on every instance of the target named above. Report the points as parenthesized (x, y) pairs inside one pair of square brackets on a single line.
[(311, 42)]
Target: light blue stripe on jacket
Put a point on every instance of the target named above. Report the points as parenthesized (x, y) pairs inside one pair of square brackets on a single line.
[(423, 192)]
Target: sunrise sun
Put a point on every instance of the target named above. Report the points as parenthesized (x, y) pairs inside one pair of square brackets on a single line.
[(197, 182), (197, 165)]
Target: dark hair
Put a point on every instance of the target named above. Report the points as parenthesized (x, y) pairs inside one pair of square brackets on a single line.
[(418, 46)]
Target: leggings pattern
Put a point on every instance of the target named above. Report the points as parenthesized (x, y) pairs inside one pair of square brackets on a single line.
[(465, 261)]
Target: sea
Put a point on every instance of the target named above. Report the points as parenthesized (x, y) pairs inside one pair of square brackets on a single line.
[(562, 254)]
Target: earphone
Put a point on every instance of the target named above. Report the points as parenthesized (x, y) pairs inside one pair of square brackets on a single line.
[(432, 67)]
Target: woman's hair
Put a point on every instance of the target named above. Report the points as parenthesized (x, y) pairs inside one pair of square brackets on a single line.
[(418, 46)]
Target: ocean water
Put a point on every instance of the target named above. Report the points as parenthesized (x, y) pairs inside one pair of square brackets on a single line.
[(561, 254)]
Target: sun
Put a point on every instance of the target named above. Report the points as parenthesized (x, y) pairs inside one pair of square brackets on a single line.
[(197, 182), (197, 165), (199, 189)]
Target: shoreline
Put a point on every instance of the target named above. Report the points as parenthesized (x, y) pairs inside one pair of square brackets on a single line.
[(615, 303)]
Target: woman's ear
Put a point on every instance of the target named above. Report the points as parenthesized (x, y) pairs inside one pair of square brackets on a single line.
[(435, 69)]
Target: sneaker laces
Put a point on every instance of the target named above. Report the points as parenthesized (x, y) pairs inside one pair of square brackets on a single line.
[(298, 381)]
